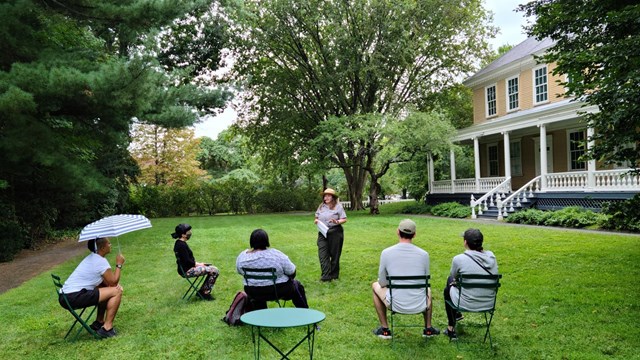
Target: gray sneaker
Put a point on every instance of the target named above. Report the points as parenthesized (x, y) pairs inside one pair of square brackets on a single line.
[(106, 334), (382, 333)]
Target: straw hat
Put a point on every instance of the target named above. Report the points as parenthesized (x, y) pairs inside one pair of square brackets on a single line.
[(329, 191)]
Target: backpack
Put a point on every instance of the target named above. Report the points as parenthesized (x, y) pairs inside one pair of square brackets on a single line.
[(239, 306)]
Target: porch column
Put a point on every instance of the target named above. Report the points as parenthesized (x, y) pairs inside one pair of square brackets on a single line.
[(476, 157), (452, 162), (543, 157), (591, 164), (507, 155), (431, 172)]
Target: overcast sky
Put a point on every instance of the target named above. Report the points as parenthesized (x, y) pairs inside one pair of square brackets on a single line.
[(504, 17)]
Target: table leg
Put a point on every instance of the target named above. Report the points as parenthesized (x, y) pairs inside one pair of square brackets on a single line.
[(310, 337)]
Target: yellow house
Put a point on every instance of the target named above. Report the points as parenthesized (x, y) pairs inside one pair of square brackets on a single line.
[(528, 139)]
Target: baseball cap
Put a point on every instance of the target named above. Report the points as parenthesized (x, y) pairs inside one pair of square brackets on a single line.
[(407, 226)]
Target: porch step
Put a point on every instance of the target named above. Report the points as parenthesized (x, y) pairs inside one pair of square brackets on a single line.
[(492, 211)]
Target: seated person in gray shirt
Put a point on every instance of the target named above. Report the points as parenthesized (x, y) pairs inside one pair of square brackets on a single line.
[(402, 259), (474, 260)]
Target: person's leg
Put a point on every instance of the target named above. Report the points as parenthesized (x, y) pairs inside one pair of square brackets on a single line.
[(428, 311), (297, 294), (451, 312), (323, 256), (379, 302), (336, 240), (258, 296), (212, 275), (110, 296)]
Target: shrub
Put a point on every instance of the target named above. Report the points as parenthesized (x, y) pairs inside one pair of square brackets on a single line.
[(622, 215), (12, 236), (452, 210), (529, 216), (416, 208), (573, 217)]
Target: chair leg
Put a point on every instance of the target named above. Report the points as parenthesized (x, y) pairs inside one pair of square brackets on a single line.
[(488, 333), (83, 324)]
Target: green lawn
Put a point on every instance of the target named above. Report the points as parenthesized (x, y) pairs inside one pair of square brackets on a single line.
[(566, 294)]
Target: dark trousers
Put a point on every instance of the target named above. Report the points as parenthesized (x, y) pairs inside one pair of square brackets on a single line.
[(290, 290), (329, 251), (451, 312)]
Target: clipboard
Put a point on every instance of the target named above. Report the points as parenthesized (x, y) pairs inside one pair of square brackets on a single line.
[(322, 228)]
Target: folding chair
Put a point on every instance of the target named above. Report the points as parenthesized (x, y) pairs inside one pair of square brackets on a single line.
[(473, 281), (264, 274), (77, 316), (195, 282), (406, 282)]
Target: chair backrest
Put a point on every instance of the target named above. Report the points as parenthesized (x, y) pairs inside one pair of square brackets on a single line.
[(181, 270), (407, 282), (259, 274), (58, 288), (479, 281)]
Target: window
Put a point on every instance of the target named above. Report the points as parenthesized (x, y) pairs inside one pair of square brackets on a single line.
[(512, 94), (577, 146), (516, 158), (492, 150), (541, 84), (491, 100)]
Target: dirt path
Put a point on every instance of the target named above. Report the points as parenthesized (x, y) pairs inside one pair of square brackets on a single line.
[(29, 263)]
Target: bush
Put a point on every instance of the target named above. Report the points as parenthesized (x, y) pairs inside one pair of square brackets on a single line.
[(12, 237), (573, 217), (416, 208), (623, 215), (452, 210), (529, 216)]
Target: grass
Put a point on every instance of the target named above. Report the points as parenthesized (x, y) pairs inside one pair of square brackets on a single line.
[(566, 294)]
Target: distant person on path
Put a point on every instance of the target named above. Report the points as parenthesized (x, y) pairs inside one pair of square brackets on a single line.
[(184, 257), (474, 260), (260, 256), (93, 282), (402, 259), (330, 213)]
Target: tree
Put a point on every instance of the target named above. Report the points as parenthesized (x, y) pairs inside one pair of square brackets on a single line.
[(73, 77), (166, 156), (598, 48), (305, 63)]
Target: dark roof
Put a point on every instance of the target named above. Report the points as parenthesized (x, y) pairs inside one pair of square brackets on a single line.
[(526, 48)]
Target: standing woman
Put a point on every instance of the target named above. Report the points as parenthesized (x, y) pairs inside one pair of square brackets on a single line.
[(331, 213), (184, 257)]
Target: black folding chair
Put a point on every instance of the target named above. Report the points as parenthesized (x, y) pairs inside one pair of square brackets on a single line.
[(78, 316), (264, 274), (472, 281), (406, 282), (195, 282)]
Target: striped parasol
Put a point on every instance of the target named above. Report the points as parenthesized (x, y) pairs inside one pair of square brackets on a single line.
[(113, 226)]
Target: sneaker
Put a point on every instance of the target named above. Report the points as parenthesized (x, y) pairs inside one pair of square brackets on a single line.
[(459, 316), (430, 331), (96, 325), (382, 333), (204, 296), (106, 334), (326, 279), (451, 334)]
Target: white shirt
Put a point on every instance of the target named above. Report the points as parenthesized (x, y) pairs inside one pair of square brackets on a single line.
[(87, 275)]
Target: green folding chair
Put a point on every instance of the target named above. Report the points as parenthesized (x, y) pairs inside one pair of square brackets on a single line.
[(264, 274), (78, 316), (405, 282), (195, 282), (473, 281)]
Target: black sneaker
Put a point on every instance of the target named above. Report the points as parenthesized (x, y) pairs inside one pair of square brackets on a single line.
[(459, 316), (430, 331), (382, 333), (451, 334), (106, 334), (96, 325), (204, 296)]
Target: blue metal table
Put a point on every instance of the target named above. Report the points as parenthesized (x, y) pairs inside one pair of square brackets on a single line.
[(283, 318)]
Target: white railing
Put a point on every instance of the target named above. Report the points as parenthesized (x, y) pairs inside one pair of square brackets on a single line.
[(465, 185), (603, 180), (518, 197), (491, 198), (365, 203)]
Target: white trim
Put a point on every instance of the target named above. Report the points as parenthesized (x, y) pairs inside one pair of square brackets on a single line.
[(506, 93), (568, 133), (486, 100), (533, 83)]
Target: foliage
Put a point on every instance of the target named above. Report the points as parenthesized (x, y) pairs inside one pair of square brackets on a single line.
[(452, 210), (166, 156), (571, 217), (623, 215), (354, 62), (417, 208), (584, 269), (597, 46), (73, 77)]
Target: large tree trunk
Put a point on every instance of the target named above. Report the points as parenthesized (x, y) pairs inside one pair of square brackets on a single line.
[(374, 190)]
